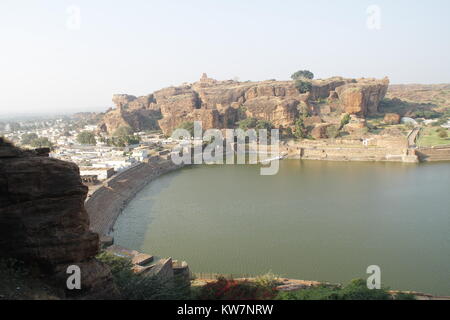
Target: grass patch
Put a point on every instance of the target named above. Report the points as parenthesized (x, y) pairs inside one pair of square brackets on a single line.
[(355, 290), (429, 137)]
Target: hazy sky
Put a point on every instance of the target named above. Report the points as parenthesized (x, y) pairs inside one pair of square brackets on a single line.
[(50, 63)]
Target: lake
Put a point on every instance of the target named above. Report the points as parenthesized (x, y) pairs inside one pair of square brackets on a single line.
[(314, 220)]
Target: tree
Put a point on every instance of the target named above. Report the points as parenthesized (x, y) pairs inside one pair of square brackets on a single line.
[(86, 137), (41, 143), (332, 132), (27, 138), (189, 126), (263, 124), (302, 74), (249, 123), (300, 130), (123, 131), (443, 134), (345, 120), (303, 86)]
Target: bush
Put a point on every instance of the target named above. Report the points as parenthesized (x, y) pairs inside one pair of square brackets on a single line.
[(41, 143), (253, 123), (355, 290), (345, 120), (332, 132), (189, 126), (27, 138), (303, 74), (427, 114), (123, 131), (249, 123), (303, 86), (443, 134), (134, 286), (86, 137), (268, 280), (300, 130), (224, 289)]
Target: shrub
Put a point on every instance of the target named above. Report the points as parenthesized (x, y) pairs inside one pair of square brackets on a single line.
[(268, 280), (189, 126), (27, 138), (86, 137), (355, 290), (249, 123), (332, 132), (302, 74), (303, 86), (300, 129), (41, 142), (263, 124), (443, 134), (123, 131), (224, 289), (427, 114), (134, 286), (345, 120)]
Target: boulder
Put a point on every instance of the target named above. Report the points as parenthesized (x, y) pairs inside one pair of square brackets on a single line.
[(392, 118), (43, 221), (363, 97), (320, 131)]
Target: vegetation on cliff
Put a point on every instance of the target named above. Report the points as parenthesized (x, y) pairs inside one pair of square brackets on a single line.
[(133, 286), (86, 137), (266, 288)]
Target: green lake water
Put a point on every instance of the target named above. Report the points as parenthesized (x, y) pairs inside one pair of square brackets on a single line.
[(314, 220)]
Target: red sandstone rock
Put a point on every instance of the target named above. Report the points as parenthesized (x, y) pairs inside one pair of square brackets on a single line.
[(392, 118), (217, 103), (44, 223)]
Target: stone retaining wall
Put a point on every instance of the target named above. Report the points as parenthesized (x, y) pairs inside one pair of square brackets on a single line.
[(434, 153), (107, 202), (355, 154)]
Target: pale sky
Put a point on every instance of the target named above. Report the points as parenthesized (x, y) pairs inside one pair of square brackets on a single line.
[(50, 63)]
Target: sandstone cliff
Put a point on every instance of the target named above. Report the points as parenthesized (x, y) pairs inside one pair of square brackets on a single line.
[(220, 104), (43, 221)]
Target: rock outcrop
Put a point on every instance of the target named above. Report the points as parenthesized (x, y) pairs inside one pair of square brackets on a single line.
[(43, 221), (392, 118), (220, 104), (363, 97)]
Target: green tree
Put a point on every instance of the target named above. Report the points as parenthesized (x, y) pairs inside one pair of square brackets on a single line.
[(303, 86), (302, 74), (27, 138), (249, 123), (263, 124), (123, 131), (189, 126), (443, 134), (300, 129), (86, 137), (332, 132), (344, 121), (41, 142)]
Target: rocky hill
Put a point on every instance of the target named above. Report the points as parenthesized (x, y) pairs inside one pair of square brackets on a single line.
[(43, 221), (435, 96), (220, 104)]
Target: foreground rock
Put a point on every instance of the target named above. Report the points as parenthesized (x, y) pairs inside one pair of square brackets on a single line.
[(43, 221), (220, 104)]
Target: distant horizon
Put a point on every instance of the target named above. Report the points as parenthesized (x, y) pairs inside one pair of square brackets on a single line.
[(100, 109)]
